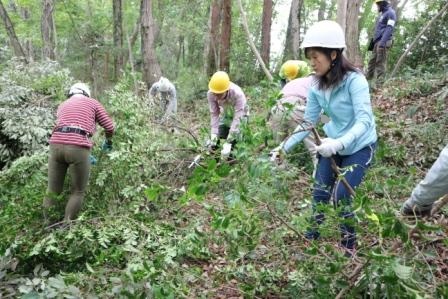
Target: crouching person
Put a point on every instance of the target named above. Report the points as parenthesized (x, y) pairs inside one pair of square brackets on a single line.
[(165, 91), (289, 112), (228, 107), (70, 147)]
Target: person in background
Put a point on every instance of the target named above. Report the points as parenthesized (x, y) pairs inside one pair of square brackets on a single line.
[(293, 69), (381, 42), (342, 92), (288, 113), (166, 92), (430, 189), (70, 146), (228, 107)]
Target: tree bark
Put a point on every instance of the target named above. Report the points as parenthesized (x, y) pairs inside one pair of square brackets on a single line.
[(292, 43), (266, 31), (211, 44), (322, 9), (411, 46), (151, 69), (47, 30), (348, 18), (118, 37), (17, 48), (251, 43), (226, 32)]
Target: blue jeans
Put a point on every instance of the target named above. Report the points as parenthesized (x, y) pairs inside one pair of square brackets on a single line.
[(326, 185)]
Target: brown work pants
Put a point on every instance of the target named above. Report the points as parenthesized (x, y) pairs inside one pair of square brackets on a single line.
[(64, 157), (377, 63)]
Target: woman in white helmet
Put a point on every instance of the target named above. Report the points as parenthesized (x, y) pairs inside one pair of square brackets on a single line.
[(70, 146), (342, 93), (166, 92)]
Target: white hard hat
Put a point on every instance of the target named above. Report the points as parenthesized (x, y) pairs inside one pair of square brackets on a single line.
[(79, 88), (324, 34), (164, 84)]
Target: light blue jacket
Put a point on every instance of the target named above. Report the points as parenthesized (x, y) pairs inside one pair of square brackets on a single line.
[(350, 111)]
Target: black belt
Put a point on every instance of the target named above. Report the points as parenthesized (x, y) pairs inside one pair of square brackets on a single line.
[(73, 130)]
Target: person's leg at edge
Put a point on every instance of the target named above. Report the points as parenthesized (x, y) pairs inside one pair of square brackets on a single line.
[(57, 170), (79, 170)]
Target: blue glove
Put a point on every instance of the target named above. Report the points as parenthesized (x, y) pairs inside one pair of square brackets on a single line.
[(106, 146), (92, 160)]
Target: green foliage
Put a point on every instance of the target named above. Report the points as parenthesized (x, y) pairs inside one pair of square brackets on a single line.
[(28, 97)]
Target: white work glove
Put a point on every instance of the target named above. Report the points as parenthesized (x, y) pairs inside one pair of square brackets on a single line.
[(329, 147), (226, 148), (212, 141), (276, 152)]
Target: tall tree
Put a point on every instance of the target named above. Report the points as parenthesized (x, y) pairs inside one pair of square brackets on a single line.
[(151, 69), (226, 31), (47, 30), (292, 44), (16, 46), (211, 44), (348, 18), (266, 24), (118, 37)]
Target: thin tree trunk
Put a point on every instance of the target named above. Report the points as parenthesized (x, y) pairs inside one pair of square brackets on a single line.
[(352, 33), (414, 42), (47, 29), (322, 9), (226, 32), (266, 31), (151, 69), (118, 37), (132, 39), (341, 16), (251, 43), (292, 43), (17, 48), (211, 44)]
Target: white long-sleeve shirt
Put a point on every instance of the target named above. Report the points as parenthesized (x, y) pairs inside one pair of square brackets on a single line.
[(168, 99)]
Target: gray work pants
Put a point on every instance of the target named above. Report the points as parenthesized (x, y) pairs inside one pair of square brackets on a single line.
[(432, 187), (64, 157)]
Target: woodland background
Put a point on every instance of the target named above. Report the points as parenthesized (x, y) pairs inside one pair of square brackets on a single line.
[(151, 227)]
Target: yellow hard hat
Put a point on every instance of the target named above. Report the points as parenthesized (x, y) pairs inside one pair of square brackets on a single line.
[(219, 82), (290, 69)]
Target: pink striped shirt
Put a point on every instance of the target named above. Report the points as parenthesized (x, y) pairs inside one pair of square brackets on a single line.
[(81, 112)]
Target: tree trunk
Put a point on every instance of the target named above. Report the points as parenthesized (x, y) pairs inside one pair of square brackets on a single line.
[(266, 31), (341, 16), (131, 41), (151, 69), (292, 43), (17, 48), (47, 29), (226, 31), (211, 44), (322, 9), (348, 18), (411, 46), (118, 38), (251, 43)]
